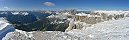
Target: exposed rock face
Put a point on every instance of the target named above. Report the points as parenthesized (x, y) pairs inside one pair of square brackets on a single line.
[(95, 17), (59, 22), (77, 25), (88, 20), (98, 17)]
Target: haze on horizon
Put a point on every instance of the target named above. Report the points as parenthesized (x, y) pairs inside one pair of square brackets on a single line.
[(64, 4)]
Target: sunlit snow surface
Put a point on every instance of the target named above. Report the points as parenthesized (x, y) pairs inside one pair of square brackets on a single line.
[(5, 28), (26, 34), (108, 30), (3, 23)]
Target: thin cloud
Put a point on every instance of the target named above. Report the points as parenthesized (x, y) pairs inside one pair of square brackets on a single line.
[(49, 4), (6, 8)]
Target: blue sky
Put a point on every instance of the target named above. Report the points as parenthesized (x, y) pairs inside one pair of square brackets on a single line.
[(64, 4)]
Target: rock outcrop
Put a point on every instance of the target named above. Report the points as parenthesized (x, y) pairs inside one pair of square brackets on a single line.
[(99, 16), (96, 17)]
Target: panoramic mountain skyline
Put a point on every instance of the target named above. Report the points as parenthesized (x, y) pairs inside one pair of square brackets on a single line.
[(64, 4)]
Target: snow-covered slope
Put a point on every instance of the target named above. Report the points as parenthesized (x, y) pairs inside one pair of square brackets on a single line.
[(3, 23), (5, 28), (108, 30)]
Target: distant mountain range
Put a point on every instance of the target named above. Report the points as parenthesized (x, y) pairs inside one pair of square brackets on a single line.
[(20, 18)]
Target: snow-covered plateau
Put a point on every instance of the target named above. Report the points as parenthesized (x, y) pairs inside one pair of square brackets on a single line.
[(116, 28)]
